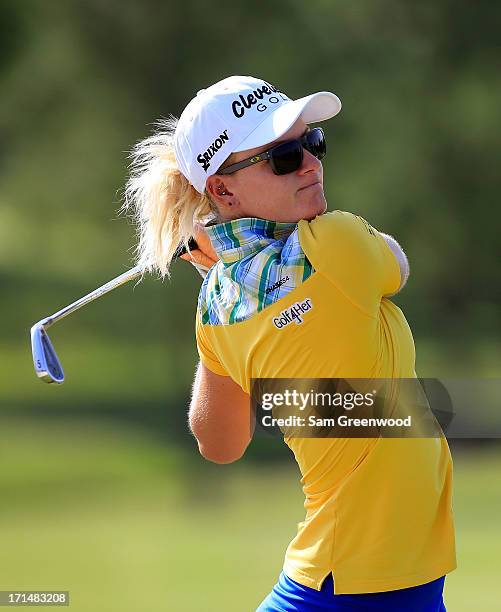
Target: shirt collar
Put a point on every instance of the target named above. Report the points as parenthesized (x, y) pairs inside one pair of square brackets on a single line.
[(239, 238)]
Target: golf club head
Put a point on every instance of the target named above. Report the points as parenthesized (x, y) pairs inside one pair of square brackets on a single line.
[(47, 365)]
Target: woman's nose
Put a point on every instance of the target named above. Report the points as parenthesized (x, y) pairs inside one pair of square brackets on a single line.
[(310, 163)]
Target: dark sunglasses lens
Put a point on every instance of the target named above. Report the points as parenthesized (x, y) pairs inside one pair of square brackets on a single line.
[(287, 157), (315, 143)]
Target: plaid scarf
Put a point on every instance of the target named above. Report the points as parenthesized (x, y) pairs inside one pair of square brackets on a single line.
[(260, 262)]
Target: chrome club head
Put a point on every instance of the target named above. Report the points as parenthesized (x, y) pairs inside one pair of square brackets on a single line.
[(47, 365)]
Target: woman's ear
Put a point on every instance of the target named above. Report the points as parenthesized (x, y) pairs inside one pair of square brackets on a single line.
[(219, 192)]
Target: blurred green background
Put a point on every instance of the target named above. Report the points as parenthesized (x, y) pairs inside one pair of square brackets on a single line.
[(102, 490)]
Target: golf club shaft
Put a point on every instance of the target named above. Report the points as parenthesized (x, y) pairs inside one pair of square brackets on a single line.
[(109, 286)]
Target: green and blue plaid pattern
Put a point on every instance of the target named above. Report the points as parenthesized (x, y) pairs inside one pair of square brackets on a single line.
[(260, 262)]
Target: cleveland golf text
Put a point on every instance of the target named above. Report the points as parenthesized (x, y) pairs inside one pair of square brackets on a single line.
[(246, 102)]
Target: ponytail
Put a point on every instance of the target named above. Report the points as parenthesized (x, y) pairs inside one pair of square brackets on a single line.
[(161, 201)]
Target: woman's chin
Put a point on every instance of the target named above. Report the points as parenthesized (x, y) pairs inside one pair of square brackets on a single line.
[(317, 208)]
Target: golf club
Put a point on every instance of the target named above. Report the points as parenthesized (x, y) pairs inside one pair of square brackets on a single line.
[(47, 365)]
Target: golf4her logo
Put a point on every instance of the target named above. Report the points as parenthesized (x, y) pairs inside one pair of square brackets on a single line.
[(292, 314)]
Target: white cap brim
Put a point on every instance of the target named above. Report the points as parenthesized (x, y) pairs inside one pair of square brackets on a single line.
[(312, 109)]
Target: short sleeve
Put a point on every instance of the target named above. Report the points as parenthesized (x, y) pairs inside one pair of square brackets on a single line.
[(353, 255), (207, 355)]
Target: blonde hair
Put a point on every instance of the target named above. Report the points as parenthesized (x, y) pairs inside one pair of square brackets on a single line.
[(161, 201)]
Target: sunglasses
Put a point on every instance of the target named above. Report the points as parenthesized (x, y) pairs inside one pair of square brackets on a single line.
[(287, 156)]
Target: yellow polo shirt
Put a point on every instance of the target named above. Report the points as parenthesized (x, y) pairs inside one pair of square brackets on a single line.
[(378, 511)]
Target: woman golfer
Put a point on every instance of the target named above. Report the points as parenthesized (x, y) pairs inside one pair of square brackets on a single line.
[(296, 292)]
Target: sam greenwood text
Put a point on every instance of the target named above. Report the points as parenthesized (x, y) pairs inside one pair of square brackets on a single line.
[(341, 421)]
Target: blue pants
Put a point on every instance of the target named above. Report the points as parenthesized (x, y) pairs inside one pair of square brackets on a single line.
[(290, 596)]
